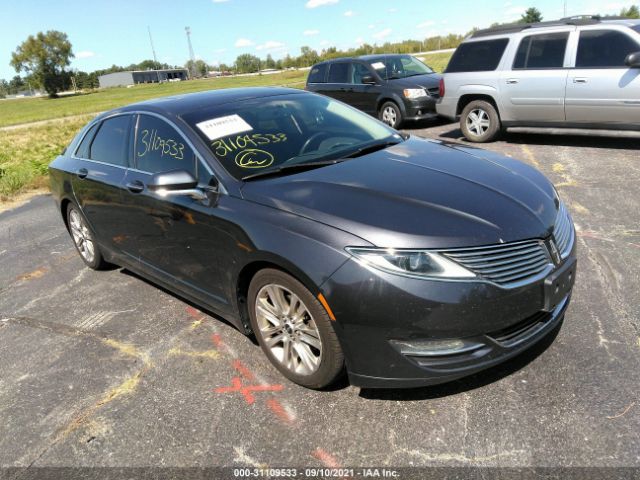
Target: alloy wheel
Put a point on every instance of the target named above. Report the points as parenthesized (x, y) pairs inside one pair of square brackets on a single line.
[(288, 329), (81, 236), (389, 116), (478, 121)]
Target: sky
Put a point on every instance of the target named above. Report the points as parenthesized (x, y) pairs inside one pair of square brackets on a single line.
[(107, 32)]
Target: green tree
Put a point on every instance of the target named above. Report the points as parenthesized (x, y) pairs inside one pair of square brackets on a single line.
[(270, 62), (247, 63), (4, 88), (632, 12), (44, 58), (532, 15)]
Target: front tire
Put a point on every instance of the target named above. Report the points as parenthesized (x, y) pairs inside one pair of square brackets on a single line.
[(480, 122), (84, 239), (391, 115), (294, 330)]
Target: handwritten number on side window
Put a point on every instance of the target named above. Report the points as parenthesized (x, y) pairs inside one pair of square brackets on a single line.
[(152, 142)]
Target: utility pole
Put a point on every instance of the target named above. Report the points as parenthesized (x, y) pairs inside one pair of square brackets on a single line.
[(153, 50), (565, 8), (192, 57)]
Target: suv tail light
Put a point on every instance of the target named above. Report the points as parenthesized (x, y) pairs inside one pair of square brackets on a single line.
[(441, 91)]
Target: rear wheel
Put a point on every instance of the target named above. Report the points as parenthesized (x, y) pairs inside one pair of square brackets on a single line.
[(480, 121), (83, 239), (294, 330), (390, 114)]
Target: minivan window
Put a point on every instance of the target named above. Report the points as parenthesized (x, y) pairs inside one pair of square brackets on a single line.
[(318, 73), (481, 56), (110, 145), (604, 49), (338, 73), (395, 66), (357, 72), (160, 148), (541, 51)]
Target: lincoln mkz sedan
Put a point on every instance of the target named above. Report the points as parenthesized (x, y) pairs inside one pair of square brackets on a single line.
[(340, 243)]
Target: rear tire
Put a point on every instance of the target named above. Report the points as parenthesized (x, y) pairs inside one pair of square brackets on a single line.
[(391, 115), (480, 122), (84, 239), (294, 330)]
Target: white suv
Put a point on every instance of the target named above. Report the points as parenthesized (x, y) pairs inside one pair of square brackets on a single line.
[(575, 72)]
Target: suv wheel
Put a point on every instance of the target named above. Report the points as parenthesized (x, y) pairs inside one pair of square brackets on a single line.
[(390, 114), (480, 121), (294, 330)]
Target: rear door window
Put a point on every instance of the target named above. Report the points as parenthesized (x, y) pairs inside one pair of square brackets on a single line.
[(480, 56), (160, 148), (111, 143), (318, 73), (83, 149), (604, 49), (541, 51), (338, 73)]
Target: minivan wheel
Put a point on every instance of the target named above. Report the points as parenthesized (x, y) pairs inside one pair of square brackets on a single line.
[(480, 121), (83, 239), (294, 330), (391, 115)]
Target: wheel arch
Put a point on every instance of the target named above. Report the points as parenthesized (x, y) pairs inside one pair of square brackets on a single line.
[(467, 98), (249, 270), (391, 98)]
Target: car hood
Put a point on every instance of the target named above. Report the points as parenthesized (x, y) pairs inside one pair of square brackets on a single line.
[(429, 80), (419, 194)]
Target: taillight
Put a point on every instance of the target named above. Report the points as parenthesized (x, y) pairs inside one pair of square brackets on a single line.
[(441, 91)]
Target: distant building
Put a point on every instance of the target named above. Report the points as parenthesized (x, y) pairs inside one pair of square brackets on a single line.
[(122, 79)]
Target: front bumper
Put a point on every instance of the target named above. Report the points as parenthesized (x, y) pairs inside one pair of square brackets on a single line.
[(420, 109), (375, 309)]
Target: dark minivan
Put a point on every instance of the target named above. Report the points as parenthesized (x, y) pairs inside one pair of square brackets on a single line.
[(393, 88)]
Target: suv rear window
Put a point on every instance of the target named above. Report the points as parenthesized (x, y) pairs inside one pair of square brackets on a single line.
[(338, 73), (482, 56), (604, 49), (317, 73), (541, 51)]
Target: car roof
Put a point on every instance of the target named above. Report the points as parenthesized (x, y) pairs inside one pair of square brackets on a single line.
[(178, 105), (366, 58), (579, 20)]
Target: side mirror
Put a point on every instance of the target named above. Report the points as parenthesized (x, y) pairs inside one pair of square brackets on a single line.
[(633, 60), (176, 182), (368, 80)]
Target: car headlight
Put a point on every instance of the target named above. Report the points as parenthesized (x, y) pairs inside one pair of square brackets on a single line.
[(414, 93), (411, 263)]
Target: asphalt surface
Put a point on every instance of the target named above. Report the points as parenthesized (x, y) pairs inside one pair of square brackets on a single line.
[(106, 369)]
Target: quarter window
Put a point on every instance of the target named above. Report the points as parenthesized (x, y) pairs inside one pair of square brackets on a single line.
[(604, 49), (318, 73), (110, 145), (338, 73), (481, 56), (83, 149), (541, 51), (160, 148)]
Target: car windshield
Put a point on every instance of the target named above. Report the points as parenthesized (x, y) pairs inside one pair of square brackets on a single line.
[(392, 67), (274, 133)]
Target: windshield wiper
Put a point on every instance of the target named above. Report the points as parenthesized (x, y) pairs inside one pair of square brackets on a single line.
[(372, 148), (291, 168)]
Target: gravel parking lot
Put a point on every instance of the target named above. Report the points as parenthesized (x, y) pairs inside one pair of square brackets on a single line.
[(106, 369)]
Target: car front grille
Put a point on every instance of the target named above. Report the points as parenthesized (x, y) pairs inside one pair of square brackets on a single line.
[(434, 92), (563, 232), (505, 264)]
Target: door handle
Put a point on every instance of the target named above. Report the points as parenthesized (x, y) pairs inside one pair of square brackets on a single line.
[(82, 173), (579, 80), (136, 186), (512, 81)]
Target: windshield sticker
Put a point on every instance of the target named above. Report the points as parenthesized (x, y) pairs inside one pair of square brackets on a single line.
[(152, 142), (378, 65), (254, 158), (225, 146), (224, 126)]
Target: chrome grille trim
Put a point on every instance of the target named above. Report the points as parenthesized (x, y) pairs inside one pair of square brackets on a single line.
[(508, 265), (563, 231)]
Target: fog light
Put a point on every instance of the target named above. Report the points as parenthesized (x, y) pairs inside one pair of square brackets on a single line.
[(435, 348)]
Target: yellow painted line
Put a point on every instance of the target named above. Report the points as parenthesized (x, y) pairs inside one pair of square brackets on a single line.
[(531, 157)]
